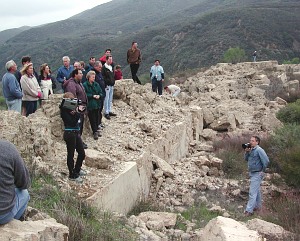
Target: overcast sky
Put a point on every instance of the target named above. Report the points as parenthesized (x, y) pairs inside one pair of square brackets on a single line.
[(18, 13)]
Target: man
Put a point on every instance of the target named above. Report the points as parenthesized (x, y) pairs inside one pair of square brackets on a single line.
[(11, 88), (99, 79), (134, 58), (103, 58), (174, 90), (74, 86), (257, 163), (254, 55), (91, 64), (14, 181), (25, 60), (64, 71), (157, 76), (108, 75)]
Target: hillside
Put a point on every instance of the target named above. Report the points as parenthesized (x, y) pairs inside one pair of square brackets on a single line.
[(183, 35), (10, 33)]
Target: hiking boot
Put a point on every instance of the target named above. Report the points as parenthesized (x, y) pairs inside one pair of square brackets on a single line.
[(82, 173), (247, 214), (76, 179), (107, 116), (112, 114), (95, 136)]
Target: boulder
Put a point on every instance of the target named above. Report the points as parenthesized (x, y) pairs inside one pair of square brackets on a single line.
[(168, 219), (164, 166), (97, 159), (227, 229)]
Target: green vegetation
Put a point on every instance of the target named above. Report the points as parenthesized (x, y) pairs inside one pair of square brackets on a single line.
[(293, 61), (198, 214), (234, 55), (85, 222), (290, 113)]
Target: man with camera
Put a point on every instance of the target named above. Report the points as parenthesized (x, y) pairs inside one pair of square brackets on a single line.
[(75, 86), (257, 163)]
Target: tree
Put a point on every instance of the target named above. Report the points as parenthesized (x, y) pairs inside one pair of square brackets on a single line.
[(293, 61), (234, 55)]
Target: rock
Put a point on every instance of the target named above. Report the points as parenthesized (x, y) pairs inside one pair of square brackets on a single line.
[(270, 231), (97, 159), (216, 162), (227, 229), (209, 134), (164, 166), (168, 219), (280, 101), (47, 229), (156, 225)]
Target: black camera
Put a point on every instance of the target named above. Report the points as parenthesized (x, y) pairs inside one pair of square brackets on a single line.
[(246, 145), (70, 104)]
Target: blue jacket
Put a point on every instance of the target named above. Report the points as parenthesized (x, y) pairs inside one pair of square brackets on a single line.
[(11, 87), (157, 72), (63, 72), (257, 159)]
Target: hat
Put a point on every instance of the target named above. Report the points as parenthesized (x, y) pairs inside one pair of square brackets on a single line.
[(25, 68)]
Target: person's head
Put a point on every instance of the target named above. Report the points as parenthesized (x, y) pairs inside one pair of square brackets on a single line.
[(68, 95), (157, 62), (90, 76), (77, 65), (134, 45), (82, 64), (66, 61), (254, 141), (92, 61), (107, 51), (118, 67), (27, 69), (26, 60), (45, 69), (98, 66), (109, 59), (77, 74), (11, 66)]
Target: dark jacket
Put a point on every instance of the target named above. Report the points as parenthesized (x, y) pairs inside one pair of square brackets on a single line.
[(70, 119), (77, 89), (108, 76), (91, 90), (99, 79)]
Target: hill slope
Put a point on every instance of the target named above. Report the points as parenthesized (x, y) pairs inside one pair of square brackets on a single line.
[(184, 35)]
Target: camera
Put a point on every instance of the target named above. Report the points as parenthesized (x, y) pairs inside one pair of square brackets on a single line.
[(246, 145), (70, 104)]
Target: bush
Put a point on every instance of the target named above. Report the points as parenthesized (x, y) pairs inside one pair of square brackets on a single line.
[(293, 61), (234, 55), (231, 152), (290, 113)]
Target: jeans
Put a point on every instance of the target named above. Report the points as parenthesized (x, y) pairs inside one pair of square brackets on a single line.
[(254, 192), (109, 90), (15, 105), (22, 199), (176, 93), (157, 86), (30, 107), (101, 109), (74, 142), (254, 58), (134, 69)]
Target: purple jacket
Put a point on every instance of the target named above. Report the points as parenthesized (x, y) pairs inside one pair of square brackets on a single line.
[(77, 89)]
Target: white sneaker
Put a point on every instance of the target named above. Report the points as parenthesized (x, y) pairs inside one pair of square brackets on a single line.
[(82, 173), (77, 179)]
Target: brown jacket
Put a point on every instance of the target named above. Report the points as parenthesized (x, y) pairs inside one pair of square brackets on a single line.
[(134, 56)]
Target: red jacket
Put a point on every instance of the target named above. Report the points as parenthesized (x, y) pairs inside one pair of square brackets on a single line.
[(118, 74)]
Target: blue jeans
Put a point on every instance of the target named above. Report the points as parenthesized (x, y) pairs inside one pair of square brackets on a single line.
[(15, 105), (109, 90), (254, 192), (157, 86), (22, 199)]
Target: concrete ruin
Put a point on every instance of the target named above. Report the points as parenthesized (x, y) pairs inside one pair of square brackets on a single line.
[(147, 146)]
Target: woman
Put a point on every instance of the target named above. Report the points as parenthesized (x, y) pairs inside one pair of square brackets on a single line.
[(30, 88), (94, 93), (47, 81)]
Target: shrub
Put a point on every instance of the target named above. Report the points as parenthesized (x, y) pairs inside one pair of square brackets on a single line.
[(231, 152), (234, 55), (293, 61), (290, 113)]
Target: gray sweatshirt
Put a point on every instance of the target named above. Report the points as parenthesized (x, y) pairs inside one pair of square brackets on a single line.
[(13, 174)]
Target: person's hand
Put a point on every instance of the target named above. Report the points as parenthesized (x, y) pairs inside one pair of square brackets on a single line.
[(247, 149), (162, 80), (81, 108), (39, 94)]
